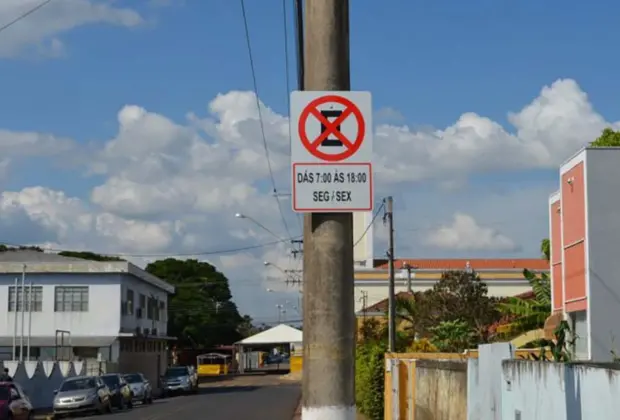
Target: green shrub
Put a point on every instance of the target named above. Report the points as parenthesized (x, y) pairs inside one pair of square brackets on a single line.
[(369, 379)]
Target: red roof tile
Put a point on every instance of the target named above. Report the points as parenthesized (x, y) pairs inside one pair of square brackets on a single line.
[(475, 264)]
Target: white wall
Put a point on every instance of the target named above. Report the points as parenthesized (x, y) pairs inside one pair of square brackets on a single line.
[(102, 318), (557, 391), (129, 322), (603, 242)]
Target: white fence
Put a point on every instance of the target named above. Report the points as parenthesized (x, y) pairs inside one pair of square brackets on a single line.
[(40, 379)]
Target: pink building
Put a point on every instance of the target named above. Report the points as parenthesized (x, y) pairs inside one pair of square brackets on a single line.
[(584, 220)]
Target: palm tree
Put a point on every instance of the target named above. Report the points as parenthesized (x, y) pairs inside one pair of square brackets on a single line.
[(528, 314)]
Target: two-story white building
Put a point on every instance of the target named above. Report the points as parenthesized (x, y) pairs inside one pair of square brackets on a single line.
[(74, 308)]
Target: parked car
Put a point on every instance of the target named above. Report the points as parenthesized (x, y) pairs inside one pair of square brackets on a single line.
[(81, 394), (119, 389), (178, 379), (14, 403), (140, 387)]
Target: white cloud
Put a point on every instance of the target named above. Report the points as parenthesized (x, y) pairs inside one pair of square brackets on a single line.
[(548, 130), (465, 234), (173, 187), (41, 28)]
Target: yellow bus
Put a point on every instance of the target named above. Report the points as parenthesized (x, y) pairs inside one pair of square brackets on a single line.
[(212, 364)]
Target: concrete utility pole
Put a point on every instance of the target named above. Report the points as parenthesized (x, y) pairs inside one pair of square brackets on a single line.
[(391, 288), (329, 311), (408, 267)]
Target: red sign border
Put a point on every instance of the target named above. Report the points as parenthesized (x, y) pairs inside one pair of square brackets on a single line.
[(338, 210), (348, 104)]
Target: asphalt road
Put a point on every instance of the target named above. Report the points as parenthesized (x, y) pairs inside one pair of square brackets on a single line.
[(272, 402)]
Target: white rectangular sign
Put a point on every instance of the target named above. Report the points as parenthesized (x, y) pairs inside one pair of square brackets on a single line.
[(332, 188), (331, 151)]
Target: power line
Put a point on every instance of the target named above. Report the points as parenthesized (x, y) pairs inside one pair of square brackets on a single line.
[(24, 15), (260, 116), (170, 254), (287, 79), (370, 224)]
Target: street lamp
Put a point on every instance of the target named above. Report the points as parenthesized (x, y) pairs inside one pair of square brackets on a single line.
[(259, 224)]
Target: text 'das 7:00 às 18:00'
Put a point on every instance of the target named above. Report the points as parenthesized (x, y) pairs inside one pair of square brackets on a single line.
[(332, 187)]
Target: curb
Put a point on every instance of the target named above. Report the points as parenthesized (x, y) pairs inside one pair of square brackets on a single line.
[(297, 415)]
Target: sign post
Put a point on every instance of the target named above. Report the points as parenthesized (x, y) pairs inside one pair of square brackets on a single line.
[(331, 151)]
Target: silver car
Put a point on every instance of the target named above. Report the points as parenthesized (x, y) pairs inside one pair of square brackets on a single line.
[(140, 387), (82, 394), (177, 380)]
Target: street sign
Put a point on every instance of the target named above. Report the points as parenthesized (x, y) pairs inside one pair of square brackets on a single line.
[(331, 151)]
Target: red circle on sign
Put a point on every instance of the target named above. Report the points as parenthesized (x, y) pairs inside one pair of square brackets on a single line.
[(331, 128)]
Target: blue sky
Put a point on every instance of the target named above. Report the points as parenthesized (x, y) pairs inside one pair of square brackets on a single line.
[(426, 63)]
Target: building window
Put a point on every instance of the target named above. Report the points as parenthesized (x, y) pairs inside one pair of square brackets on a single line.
[(142, 306), (15, 299), (71, 299), (162, 311), (130, 302), (150, 308), (153, 309)]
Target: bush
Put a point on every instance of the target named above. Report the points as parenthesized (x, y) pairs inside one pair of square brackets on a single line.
[(369, 379)]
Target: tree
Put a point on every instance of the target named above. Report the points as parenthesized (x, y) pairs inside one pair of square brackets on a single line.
[(458, 296), (609, 138), (201, 313), (545, 248), (91, 256), (6, 248), (453, 336), (528, 314), (462, 296), (247, 328)]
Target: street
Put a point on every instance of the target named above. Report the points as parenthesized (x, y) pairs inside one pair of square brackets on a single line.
[(228, 402)]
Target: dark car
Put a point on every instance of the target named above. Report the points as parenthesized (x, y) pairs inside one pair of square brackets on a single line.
[(178, 379), (14, 404), (121, 394)]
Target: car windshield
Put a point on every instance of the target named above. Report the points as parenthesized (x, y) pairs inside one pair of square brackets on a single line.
[(78, 384), (176, 371), (134, 378), (4, 393), (111, 380)]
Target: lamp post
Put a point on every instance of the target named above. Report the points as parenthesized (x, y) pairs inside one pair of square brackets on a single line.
[(259, 224)]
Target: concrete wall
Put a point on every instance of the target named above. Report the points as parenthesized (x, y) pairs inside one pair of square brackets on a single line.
[(441, 390), (484, 384), (40, 379), (602, 263), (555, 391)]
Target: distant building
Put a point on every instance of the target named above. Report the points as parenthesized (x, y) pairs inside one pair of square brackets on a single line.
[(504, 277), (100, 311)]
